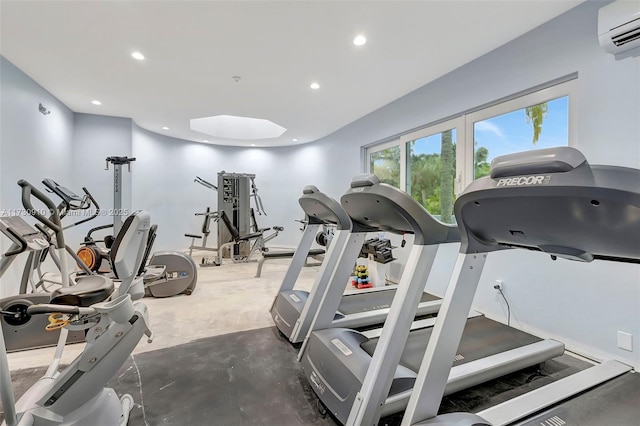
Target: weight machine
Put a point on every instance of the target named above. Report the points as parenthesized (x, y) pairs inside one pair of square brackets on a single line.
[(239, 236)]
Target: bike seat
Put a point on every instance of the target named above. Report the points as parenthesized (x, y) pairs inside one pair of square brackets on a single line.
[(87, 291)]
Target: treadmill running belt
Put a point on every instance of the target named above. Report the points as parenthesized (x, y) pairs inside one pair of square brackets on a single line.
[(482, 337), (363, 302), (616, 402)]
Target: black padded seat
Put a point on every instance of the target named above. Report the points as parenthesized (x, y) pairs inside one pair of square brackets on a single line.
[(282, 254), (87, 291)]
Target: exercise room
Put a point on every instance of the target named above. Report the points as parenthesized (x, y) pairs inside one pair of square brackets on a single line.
[(302, 213)]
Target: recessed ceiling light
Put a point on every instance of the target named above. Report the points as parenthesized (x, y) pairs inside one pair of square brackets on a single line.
[(165, 128), (137, 55), (205, 140), (96, 102), (294, 140), (253, 144), (314, 86), (360, 40)]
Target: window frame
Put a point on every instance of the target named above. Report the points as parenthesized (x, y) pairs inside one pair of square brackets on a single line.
[(550, 93), (386, 145), (457, 123), (464, 125)]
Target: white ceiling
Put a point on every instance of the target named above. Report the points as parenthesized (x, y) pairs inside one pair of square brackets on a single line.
[(80, 51)]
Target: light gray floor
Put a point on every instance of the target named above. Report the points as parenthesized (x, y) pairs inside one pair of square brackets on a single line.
[(227, 299)]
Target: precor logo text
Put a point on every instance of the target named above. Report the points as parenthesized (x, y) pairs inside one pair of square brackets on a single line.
[(525, 180)]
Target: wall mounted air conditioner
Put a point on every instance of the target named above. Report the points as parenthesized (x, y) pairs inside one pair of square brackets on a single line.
[(619, 26)]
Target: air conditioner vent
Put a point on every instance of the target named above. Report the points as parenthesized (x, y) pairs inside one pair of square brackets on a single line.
[(626, 37), (619, 26)]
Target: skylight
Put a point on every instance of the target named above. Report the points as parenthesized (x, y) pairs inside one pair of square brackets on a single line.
[(234, 127)]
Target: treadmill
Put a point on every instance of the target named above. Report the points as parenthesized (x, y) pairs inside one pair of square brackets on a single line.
[(293, 310), (343, 364), (551, 201), (613, 403)]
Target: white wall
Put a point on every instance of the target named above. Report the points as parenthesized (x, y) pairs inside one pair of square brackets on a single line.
[(166, 167), (33, 146), (582, 305), (95, 138)]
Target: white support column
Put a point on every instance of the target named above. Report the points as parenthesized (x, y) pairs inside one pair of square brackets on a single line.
[(323, 280), (6, 390), (329, 299), (298, 260), (367, 407), (444, 341)]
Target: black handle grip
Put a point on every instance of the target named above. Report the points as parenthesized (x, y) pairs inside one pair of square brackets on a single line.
[(19, 240), (92, 201), (89, 237), (29, 190)]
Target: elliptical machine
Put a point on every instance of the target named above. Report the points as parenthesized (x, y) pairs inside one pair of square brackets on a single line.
[(180, 274), (23, 331), (113, 324)]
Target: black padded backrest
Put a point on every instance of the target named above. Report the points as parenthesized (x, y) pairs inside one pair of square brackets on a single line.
[(254, 222), (227, 222), (207, 222), (118, 241), (147, 251)]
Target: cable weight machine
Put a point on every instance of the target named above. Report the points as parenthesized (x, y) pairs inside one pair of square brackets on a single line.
[(238, 236), (234, 199)]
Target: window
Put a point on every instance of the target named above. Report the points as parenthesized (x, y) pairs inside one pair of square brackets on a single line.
[(386, 165), (436, 163), (542, 125), (431, 170)]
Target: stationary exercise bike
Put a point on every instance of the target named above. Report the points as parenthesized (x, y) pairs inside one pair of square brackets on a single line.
[(180, 274), (112, 322)]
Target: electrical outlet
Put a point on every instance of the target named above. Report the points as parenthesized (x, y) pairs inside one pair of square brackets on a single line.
[(625, 341), (499, 285)]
